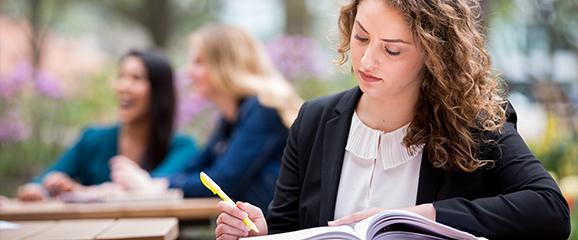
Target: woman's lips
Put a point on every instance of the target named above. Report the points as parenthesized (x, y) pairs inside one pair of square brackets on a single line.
[(368, 77), (125, 103)]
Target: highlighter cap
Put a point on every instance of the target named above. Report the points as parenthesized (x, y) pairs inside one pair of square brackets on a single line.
[(209, 183)]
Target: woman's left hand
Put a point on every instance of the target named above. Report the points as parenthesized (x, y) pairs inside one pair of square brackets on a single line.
[(426, 210), (355, 217)]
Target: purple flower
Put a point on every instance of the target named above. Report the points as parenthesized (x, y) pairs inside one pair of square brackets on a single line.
[(189, 104), (296, 57), (13, 128), (10, 86), (189, 107), (182, 81), (47, 85)]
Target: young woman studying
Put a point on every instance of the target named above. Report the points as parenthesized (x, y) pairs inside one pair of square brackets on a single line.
[(426, 130)]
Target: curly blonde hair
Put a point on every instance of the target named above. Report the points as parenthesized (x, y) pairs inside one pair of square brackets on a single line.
[(459, 95)]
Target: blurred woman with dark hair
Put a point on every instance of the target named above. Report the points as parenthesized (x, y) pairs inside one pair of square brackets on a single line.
[(143, 137)]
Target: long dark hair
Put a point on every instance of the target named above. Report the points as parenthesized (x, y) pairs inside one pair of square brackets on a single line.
[(162, 105)]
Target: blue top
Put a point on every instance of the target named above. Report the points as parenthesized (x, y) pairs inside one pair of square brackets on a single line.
[(243, 158), (87, 160)]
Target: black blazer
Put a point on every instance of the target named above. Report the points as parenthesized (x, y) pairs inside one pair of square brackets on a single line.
[(516, 198)]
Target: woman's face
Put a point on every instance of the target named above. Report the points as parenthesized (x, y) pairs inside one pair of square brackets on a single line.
[(133, 90), (386, 61), (199, 74)]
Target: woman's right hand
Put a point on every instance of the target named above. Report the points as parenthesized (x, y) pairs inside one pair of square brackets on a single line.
[(57, 183), (230, 222), (31, 192)]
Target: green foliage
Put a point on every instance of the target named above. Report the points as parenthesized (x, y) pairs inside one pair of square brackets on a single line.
[(574, 223), (54, 124)]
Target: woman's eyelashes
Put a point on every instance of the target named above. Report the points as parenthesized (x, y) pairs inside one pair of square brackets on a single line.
[(392, 53), (359, 38), (387, 50)]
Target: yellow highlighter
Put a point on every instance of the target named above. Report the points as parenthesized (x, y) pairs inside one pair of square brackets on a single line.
[(211, 185)]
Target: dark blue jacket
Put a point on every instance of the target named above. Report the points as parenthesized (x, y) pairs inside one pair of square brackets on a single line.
[(242, 157)]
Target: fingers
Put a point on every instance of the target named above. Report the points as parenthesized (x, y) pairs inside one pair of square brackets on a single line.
[(426, 210), (58, 182), (231, 210), (227, 237), (349, 219), (31, 192), (256, 215), (227, 224), (225, 218), (253, 211), (119, 171), (129, 175), (122, 178), (230, 222), (30, 197), (120, 164), (121, 160), (355, 217)]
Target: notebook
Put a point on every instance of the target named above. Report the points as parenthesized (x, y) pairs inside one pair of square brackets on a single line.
[(388, 224)]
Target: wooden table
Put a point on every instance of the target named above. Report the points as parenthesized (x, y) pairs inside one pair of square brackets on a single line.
[(185, 209), (142, 228)]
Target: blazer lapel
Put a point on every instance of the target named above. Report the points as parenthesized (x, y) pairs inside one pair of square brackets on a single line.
[(430, 181), (335, 138)]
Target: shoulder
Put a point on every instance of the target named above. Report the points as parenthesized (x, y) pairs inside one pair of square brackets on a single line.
[(326, 106), (494, 143), (99, 133), (509, 127), (251, 104), (182, 140), (253, 109)]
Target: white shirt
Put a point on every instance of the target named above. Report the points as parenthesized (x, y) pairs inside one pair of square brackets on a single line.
[(378, 171)]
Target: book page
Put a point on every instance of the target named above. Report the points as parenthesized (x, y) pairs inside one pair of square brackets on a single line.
[(362, 227), (338, 232), (405, 222)]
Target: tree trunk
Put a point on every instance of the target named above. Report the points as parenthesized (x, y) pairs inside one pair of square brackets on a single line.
[(297, 17)]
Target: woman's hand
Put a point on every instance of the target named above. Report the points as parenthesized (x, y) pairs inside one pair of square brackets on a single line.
[(230, 222), (355, 217), (425, 210), (32, 192), (128, 174), (56, 183)]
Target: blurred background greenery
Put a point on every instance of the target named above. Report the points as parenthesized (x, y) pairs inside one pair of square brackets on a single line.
[(57, 58)]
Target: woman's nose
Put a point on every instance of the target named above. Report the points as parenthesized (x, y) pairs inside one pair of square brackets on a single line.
[(123, 84), (369, 61), (190, 75)]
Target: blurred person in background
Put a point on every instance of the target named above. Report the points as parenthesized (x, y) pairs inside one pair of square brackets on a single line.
[(144, 135), (256, 105)]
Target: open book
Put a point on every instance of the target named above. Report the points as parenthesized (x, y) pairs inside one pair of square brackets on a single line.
[(388, 224)]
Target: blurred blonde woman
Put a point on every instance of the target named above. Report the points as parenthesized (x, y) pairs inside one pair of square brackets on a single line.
[(257, 105)]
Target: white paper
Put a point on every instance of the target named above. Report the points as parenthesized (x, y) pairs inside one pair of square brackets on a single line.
[(4, 225)]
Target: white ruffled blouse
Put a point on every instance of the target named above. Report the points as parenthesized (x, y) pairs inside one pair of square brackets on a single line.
[(378, 171)]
